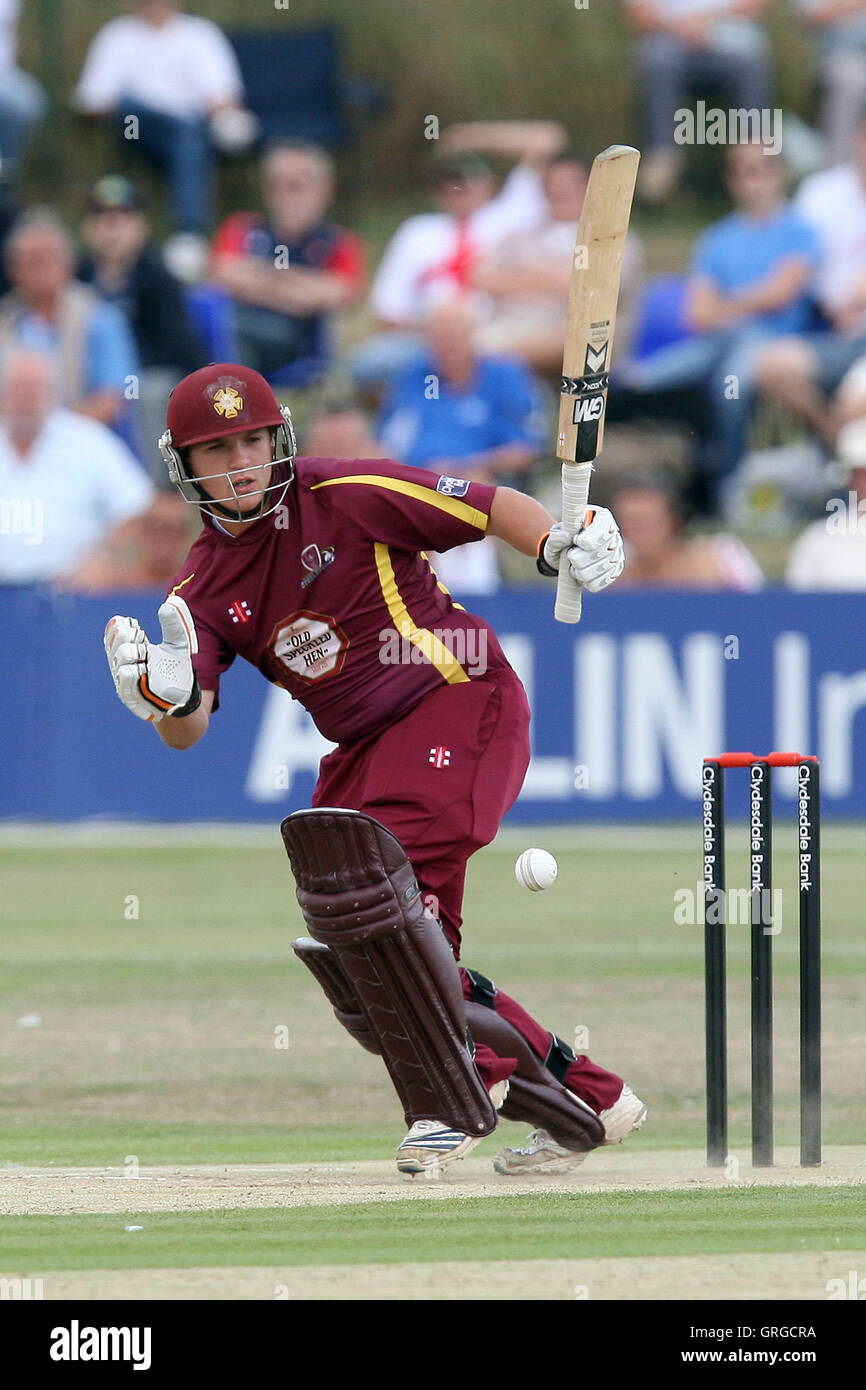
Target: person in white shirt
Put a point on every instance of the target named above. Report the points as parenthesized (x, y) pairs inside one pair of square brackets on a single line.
[(66, 482), (22, 100), (840, 29), (431, 256), (803, 374), (850, 400), (171, 82), (831, 553), (527, 276), (683, 43)]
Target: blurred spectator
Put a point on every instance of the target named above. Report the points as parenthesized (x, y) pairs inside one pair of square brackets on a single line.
[(8, 217), (65, 481), (850, 402), (431, 256), (831, 553), (528, 274), (289, 271), (142, 554), (340, 430), (803, 373), (749, 283), (658, 554), (22, 100), (125, 267), (686, 43), (458, 412), (171, 83), (49, 311), (840, 29), (465, 416)]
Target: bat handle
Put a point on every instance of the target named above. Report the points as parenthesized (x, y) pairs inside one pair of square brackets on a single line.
[(575, 496)]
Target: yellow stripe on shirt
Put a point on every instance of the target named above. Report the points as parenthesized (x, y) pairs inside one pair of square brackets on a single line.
[(462, 510), (426, 641), (439, 584)]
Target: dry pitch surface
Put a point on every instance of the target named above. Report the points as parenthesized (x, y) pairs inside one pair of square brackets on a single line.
[(206, 1188)]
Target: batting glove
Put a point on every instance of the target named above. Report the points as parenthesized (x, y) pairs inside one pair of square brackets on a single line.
[(155, 680), (595, 555)]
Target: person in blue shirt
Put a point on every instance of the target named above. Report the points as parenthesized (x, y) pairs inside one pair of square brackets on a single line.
[(750, 281), (471, 418), (461, 413), (50, 312)]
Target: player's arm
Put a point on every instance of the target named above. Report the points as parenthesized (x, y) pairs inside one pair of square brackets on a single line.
[(292, 290), (518, 520), (778, 288), (708, 308), (594, 554), (534, 142), (500, 278), (183, 733)]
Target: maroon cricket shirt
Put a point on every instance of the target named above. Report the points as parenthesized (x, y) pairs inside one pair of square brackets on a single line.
[(330, 597)]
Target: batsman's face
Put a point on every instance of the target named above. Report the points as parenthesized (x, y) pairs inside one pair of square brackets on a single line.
[(234, 469)]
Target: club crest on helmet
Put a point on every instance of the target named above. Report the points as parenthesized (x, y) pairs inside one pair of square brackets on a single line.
[(228, 402)]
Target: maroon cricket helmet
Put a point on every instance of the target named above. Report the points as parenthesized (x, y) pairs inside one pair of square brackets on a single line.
[(221, 399)]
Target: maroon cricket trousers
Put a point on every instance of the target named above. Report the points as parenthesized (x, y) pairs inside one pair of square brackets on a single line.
[(441, 778)]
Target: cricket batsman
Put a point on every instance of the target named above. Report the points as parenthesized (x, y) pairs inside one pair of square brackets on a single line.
[(315, 571)]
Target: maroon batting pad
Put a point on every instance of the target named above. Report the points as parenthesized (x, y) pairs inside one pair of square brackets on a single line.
[(359, 896)]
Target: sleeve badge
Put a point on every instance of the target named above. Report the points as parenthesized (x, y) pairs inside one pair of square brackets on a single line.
[(452, 487)]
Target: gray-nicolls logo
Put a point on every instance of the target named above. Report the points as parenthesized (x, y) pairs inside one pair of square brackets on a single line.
[(314, 561)]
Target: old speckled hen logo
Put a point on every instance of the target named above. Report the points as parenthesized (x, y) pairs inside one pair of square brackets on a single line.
[(309, 645)]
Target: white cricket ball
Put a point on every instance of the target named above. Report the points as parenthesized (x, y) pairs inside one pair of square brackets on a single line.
[(535, 869)]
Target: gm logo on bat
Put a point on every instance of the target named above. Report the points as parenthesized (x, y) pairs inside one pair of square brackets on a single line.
[(588, 409)]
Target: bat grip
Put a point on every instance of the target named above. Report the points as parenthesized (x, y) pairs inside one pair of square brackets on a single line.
[(575, 496)]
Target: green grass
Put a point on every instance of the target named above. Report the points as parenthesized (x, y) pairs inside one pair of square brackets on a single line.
[(157, 1035), (80, 1142), (545, 1226)]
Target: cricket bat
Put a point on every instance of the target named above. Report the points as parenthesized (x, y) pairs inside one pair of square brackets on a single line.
[(592, 300)]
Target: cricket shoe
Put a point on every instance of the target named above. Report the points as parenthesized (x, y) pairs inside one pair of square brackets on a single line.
[(626, 1114), (542, 1153), (539, 1152), (430, 1144)]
